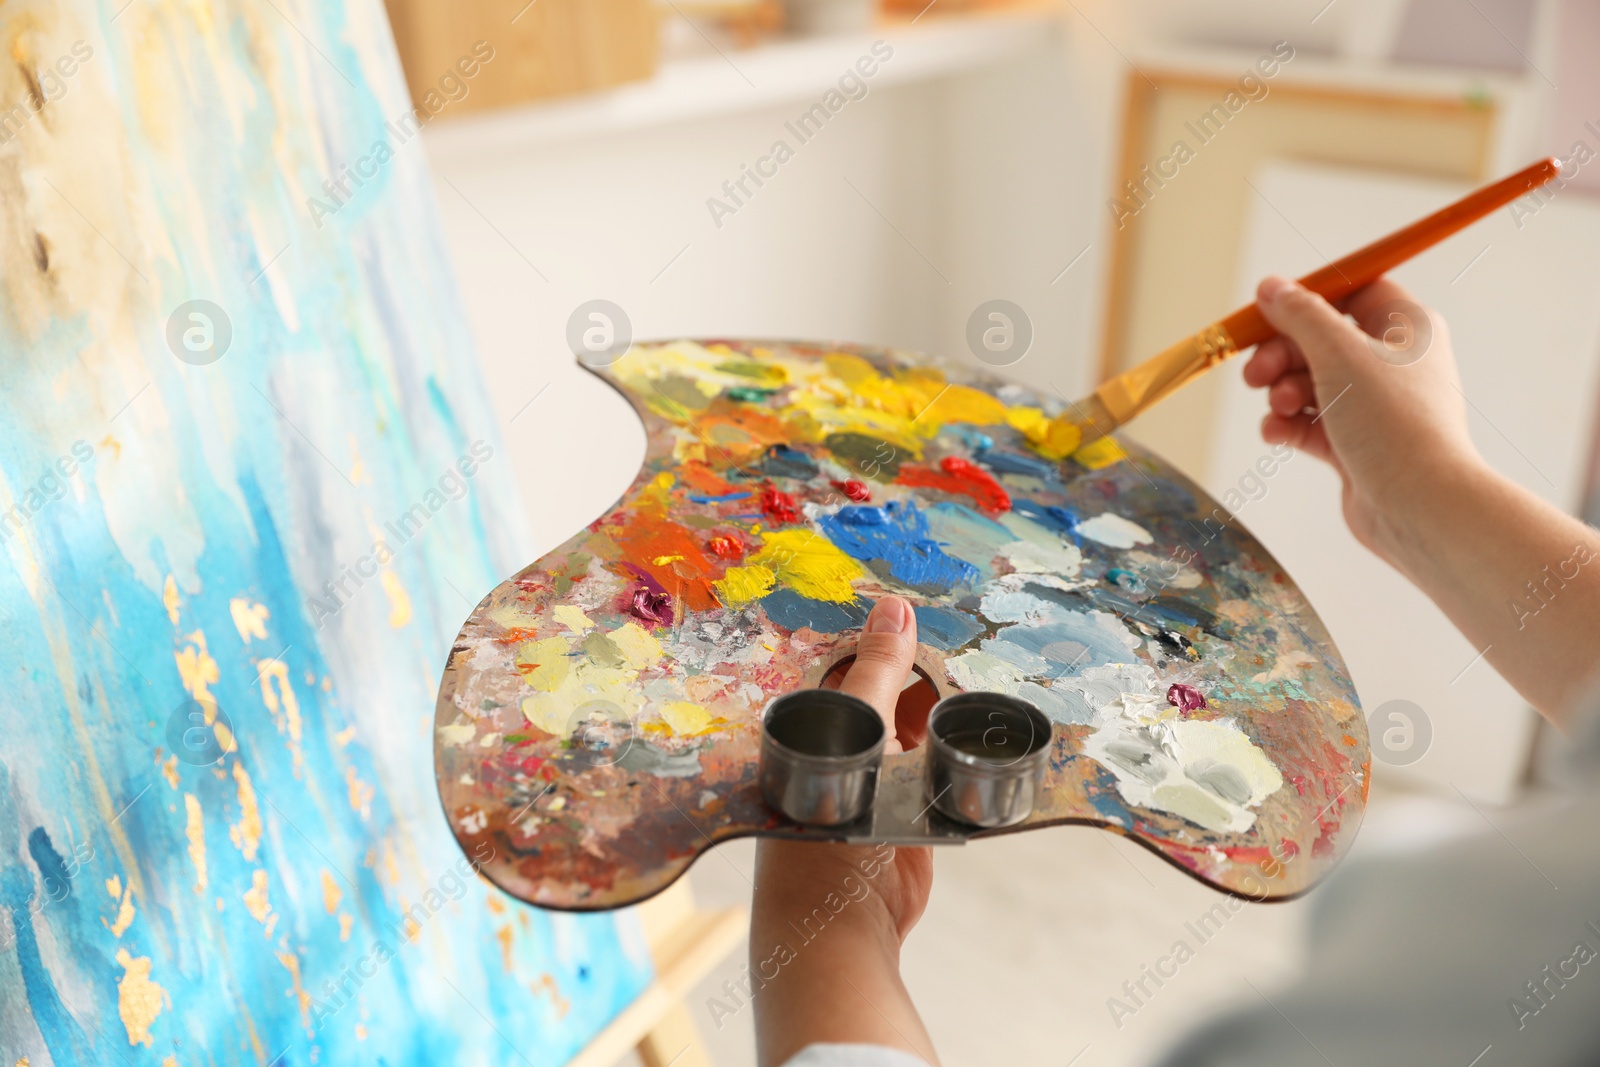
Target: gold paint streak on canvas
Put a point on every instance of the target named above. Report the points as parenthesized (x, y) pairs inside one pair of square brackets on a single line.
[(114, 887), (291, 963), (196, 831), (331, 893), (399, 599), (345, 922), (360, 793), (196, 667), (246, 833), (124, 915), (169, 771), (139, 1000), (502, 934), (169, 599), (255, 898), (248, 618)]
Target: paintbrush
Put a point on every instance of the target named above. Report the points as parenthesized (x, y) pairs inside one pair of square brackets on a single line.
[(1128, 394)]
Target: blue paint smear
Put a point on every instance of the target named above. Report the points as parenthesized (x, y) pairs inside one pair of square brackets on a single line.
[(945, 628), (967, 535), (792, 611), (897, 535), (1061, 520), (973, 438), (1054, 649), (738, 494), (1005, 462), (781, 461)]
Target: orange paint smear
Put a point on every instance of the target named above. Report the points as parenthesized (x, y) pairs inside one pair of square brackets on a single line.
[(741, 431), (960, 476), (646, 535), (703, 480)]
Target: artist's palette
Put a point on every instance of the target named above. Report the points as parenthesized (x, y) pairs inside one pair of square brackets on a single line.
[(599, 719)]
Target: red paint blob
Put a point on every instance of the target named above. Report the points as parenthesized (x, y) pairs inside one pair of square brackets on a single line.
[(727, 547), (779, 506), (855, 490), (1185, 698), (957, 475)]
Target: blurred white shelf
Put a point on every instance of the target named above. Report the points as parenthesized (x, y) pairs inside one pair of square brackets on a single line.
[(738, 81)]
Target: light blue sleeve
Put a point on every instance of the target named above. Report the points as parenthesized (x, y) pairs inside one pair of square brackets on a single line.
[(853, 1056)]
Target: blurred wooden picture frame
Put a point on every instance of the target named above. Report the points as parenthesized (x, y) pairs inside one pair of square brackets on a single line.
[(1176, 247)]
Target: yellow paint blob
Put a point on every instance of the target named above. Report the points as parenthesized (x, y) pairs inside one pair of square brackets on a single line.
[(545, 664), (808, 563), (637, 646), (573, 618), (1097, 455), (740, 585), (686, 718), (1052, 438)]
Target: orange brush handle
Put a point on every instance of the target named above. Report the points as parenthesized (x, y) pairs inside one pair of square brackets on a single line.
[(1343, 277)]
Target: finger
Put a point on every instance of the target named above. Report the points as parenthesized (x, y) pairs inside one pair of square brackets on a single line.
[(1267, 365), (1272, 360), (1299, 432), (1292, 394), (1321, 333), (1366, 305), (884, 655)]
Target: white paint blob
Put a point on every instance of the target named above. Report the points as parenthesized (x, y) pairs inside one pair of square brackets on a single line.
[(1114, 531), (1206, 771)]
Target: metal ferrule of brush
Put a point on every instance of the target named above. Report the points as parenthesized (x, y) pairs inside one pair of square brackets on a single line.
[(1121, 398)]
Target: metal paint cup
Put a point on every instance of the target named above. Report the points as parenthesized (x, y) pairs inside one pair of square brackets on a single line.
[(986, 757), (820, 751)]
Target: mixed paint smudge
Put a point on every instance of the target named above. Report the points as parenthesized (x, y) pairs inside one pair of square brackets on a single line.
[(598, 721), (188, 564)]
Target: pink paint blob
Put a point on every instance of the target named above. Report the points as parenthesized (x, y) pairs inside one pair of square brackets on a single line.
[(1185, 698)]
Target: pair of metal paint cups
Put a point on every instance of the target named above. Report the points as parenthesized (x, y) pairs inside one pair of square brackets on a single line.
[(821, 750)]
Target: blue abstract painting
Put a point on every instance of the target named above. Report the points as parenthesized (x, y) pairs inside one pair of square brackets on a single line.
[(250, 483)]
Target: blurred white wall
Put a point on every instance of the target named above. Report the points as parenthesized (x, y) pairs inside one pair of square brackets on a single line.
[(911, 206)]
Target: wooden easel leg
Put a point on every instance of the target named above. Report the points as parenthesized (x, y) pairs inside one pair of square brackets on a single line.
[(674, 1041)]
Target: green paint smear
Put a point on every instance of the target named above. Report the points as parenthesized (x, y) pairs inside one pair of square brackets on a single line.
[(866, 456), (749, 394)]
